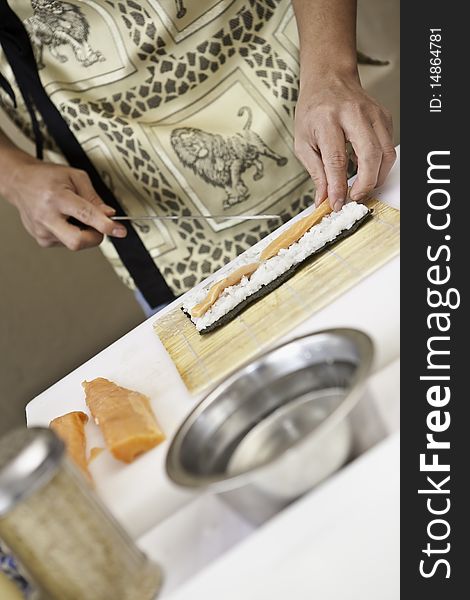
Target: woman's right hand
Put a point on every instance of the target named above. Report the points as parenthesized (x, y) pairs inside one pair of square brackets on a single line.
[(48, 195)]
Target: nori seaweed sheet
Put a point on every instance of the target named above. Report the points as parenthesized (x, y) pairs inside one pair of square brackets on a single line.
[(269, 287)]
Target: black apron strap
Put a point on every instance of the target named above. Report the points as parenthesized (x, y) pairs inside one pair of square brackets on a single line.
[(19, 53), (5, 84)]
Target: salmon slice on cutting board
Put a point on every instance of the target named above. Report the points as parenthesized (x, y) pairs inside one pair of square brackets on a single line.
[(71, 430), (125, 418), (94, 453)]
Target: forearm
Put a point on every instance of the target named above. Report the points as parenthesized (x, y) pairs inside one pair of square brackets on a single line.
[(327, 31), (11, 159)]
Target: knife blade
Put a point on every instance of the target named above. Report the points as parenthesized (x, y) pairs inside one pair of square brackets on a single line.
[(195, 217)]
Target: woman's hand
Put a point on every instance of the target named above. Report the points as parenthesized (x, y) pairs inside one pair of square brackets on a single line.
[(48, 195), (331, 111)]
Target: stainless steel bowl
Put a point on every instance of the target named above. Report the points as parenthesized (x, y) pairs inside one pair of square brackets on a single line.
[(278, 426)]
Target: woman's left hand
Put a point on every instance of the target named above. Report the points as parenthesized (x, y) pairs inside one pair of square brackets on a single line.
[(330, 112)]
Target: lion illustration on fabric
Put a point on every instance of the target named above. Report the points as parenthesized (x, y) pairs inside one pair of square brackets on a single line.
[(55, 24), (221, 161), (180, 9)]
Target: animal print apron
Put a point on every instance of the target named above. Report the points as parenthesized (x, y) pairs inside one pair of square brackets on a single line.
[(183, 107)]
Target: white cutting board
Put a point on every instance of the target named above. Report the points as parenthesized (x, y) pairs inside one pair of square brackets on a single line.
[(139, 495)]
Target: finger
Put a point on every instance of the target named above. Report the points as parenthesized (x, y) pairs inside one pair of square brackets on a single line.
[(41, 234), (109, 211), (312, 162), (388, 121), (74, 238), (49, 242), (389, 154), (88, 214), (85, 189), (45, 238), (369, 158), (332, 147)]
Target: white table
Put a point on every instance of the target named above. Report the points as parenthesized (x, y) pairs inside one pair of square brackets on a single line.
[(340, 542), (171, 524)]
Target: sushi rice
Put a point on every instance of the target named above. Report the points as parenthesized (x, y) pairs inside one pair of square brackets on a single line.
[(326, 231)]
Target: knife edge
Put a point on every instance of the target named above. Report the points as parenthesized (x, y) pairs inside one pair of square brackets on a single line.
[(195, 217)]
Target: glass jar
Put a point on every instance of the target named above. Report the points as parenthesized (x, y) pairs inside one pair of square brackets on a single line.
[(55, 525)]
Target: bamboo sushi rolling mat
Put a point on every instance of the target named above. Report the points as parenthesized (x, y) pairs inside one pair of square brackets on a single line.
[(202, 360)]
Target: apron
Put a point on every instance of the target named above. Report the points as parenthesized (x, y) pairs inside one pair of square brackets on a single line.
[(18, 51)]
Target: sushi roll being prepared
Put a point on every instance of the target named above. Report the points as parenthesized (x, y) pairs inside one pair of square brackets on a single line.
[(261, 271)]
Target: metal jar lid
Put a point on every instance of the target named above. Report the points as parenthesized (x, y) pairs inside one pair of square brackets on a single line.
[(29, 458)]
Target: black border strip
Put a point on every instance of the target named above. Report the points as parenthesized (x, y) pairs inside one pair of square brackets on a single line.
[(423, 132)]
